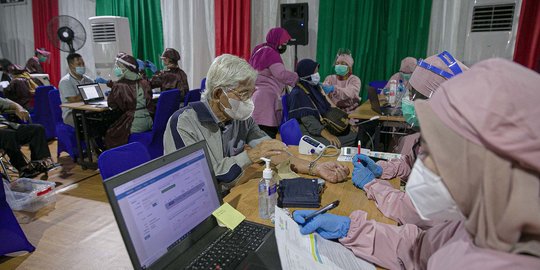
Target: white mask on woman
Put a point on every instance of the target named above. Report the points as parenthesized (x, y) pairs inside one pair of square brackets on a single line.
[(315, 78), (430, 196), (240, 110)]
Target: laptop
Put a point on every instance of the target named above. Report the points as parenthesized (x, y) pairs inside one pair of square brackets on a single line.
[(43, 78), (164, 212), (91, 94), (376, 105)]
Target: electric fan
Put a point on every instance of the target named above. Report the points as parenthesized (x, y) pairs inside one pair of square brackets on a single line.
[(66, 33)]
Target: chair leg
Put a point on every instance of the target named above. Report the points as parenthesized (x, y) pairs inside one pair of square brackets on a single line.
[(4, 169)]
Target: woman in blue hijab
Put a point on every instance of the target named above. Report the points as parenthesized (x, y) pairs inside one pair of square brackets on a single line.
[(307, 103)]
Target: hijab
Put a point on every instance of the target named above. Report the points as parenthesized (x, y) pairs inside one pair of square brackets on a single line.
[(485, 142), (266, 54)]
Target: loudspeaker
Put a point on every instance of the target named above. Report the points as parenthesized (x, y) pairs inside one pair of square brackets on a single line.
[(294, 18)]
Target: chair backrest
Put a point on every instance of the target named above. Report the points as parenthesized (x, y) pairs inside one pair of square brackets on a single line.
[(42, 111), (290, 132), (378, 84), (285, 107), (203, 84), (54, 106), (168, 103), (122, 158), (192, 95)]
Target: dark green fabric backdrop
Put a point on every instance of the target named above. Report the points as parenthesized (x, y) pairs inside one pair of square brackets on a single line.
[(144, 24), (379, 34)]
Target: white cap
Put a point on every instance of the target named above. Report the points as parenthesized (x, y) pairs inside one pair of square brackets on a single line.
[(267, 172)]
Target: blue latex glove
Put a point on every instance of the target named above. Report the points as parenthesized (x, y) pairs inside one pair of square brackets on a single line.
[(326, 225), (151, 66), (141, 64), (361, 175), (327, 88), (100, 80), (370, 164)]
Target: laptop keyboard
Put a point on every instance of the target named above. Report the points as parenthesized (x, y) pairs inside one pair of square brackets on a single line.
[(231, 248)]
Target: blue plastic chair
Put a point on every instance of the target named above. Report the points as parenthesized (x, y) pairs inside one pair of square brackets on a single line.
[(67, 141), (378, 85), (191, 96), (42, 112), (203, 84), (12, 238), (121, 159), (290, 132), (168, 103), (285, 107)]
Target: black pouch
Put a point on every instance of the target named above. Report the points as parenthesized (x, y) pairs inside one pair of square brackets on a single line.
[(299, 192)]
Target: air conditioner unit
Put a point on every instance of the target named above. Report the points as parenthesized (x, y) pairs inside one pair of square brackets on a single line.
[(110, 35), (491, 29)]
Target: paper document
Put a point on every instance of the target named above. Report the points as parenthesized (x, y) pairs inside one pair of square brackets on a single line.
[(297, 251), (228, 216)]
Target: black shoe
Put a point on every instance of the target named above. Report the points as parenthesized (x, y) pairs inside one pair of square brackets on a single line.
[(29, 172)]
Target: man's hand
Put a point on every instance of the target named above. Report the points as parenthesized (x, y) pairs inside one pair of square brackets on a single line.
[(267, 149), (332, 171), (22, 113), (331, 138)]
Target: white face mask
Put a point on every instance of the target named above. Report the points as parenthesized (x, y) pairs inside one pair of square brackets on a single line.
[(240, 110), (315, 78), (430, 196)]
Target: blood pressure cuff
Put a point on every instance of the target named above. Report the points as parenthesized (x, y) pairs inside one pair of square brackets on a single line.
[(299, 192)]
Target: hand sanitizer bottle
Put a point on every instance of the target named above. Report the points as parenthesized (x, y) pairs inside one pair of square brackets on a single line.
[(267, 192), (393, 92)]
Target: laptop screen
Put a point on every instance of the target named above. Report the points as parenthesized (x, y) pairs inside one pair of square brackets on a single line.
[(90, 91), (160, 208)]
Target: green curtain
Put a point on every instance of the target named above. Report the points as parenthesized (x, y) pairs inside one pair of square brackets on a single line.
[(144, 23), (379, 33)]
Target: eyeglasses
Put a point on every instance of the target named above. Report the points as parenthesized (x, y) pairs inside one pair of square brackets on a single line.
[(243, 94), (448, 60)]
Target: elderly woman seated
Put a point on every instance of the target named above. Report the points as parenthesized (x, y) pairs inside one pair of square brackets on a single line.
[(307, 103)]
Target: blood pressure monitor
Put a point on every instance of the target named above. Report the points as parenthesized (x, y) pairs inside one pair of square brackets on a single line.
[(308, 146)]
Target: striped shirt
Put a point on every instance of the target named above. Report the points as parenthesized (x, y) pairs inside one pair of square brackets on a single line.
[(225, 142)]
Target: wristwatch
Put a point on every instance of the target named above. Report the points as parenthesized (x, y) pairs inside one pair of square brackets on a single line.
[(310, 168)]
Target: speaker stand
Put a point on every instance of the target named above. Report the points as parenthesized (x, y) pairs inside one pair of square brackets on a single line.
[(295, 56)]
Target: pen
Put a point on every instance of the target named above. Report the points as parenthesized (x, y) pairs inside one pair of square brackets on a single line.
[(322, 210), (359, 147)]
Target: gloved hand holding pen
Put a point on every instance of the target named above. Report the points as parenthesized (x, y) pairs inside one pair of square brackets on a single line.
[(328, 226)]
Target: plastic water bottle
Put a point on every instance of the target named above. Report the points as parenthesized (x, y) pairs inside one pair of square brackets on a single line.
[(392, 93), (267, 193), (401, 90)]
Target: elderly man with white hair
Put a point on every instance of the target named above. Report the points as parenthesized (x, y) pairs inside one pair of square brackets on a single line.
[(223, 119)]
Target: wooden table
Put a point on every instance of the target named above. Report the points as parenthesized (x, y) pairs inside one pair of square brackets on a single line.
[(364, 112), (245, 197), (81, 233), (79, 112)]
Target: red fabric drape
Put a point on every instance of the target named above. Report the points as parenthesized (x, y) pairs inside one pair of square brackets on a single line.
[(233, 27), (42, 12), (527, 50)]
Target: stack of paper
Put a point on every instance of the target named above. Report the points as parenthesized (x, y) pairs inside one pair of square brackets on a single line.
[(308, 252)]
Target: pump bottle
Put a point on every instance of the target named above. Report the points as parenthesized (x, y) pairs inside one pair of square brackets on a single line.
[(267, 192)]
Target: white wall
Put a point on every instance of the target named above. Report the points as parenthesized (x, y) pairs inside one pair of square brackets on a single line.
[(17, 32)]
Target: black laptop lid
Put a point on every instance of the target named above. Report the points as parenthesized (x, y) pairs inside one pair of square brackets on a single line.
[(164, 206), (90, 92)]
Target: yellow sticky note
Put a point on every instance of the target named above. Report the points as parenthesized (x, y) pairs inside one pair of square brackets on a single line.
[(229, 216)]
